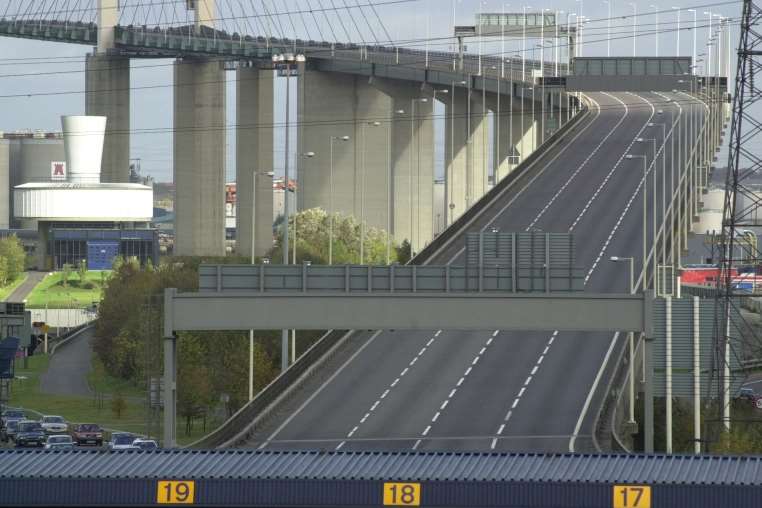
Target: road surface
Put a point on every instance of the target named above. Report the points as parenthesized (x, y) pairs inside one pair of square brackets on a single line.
[(493, 390), (69, 367)]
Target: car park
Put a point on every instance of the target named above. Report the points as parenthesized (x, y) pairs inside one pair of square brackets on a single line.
[(87, 433), (30, 433), (121, 441), (54, 425), (145, 444), (8, 432), (59, 442)]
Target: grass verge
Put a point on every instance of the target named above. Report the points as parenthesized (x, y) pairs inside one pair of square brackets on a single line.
[(51, 293)]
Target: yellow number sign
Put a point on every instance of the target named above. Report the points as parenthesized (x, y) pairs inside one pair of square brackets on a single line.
[(632, 496), (175, 492), (402, 494)]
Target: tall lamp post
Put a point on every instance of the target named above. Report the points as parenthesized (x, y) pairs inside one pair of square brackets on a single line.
[(631, 340), (654, 232), (645, 216), (330, 199), (362, 188)]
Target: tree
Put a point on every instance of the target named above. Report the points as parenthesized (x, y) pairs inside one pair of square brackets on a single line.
[(118, 405), (82, 272), (404, 252), (66, 270), (313, 237), (3, 271), (12, 250)]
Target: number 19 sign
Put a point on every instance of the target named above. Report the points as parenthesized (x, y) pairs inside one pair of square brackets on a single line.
[(175, 492)]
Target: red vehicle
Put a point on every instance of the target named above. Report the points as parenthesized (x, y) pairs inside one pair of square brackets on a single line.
[(703, 275), (87, 433)]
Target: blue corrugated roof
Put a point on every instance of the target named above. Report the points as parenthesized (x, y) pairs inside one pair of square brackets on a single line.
[(288, 465)]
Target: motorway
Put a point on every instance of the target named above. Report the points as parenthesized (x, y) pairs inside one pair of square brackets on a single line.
[(492, 390)]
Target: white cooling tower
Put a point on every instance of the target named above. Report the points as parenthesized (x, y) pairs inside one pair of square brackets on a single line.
[(83, 144)]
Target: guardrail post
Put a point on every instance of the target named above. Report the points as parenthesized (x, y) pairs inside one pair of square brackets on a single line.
[(370, 278), (447, 278), (391, 278), (414, 274), (346, 278), (481, 262), (261, 271), (304, 277), (219, 278)]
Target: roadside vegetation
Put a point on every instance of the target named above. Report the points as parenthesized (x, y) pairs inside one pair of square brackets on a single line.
[(70, 288), (12, 265), (313, 239)]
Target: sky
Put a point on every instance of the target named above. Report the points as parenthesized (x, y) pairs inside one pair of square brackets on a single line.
[(54, 81)]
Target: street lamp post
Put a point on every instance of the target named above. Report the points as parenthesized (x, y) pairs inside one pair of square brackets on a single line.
[(287, 60), (645, 218), (330, 199), (634, 26), (413, 139), (608, 28), (362, 189), (664, 191), (656, 13), (631, 341), (654, 232)]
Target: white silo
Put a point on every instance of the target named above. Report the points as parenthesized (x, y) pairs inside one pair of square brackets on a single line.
[(83, 141)]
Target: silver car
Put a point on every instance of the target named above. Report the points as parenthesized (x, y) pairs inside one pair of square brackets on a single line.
[(59, 442), (54, 425)]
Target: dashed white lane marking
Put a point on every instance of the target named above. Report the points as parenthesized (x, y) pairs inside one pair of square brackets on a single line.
[(581, 167), (394, 383), (605, 245), (508, 415), (455, 390)]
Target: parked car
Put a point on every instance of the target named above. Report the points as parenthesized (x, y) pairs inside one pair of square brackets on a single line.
[(30, 433), (59, 442), (121, 441), (12, 414), (747, 393), (8, 432), (145, 444), (54, 425), (87, 433)]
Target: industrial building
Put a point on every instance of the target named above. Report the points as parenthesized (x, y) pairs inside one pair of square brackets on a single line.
[(77, 217)]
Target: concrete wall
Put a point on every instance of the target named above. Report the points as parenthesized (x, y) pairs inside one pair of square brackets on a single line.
[(107, 93), (199, 158), (254, 159)]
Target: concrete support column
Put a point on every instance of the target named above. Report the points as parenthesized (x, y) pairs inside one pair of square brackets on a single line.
[(466, 135), (107, 93), (205, 12), (507, 132), (199, 158), (412, 155), (254, 160), (108, 16)]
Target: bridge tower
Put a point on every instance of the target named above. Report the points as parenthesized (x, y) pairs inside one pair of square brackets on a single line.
[(107, 93), (199, 148)]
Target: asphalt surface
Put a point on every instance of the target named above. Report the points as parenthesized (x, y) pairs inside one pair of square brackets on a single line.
[(68, 368), (20, 293), (492, 390)]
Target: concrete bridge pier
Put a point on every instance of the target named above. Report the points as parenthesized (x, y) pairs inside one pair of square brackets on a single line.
[(254, 160), (107, 93), (466, 150), (382, 175), (199, 157)]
